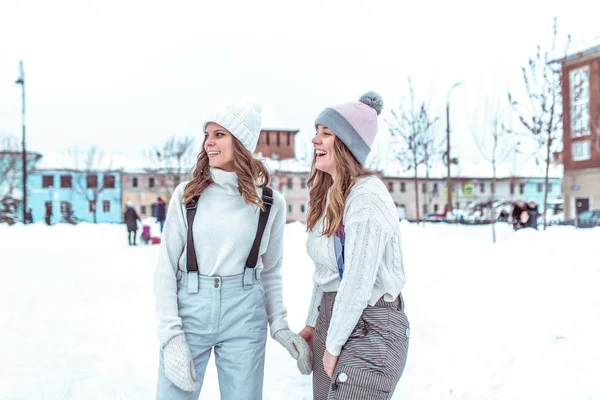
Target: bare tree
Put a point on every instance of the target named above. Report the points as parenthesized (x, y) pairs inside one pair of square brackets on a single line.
[(494, 144), (86, 165), (10, 178), (541, 113), (433, 151), (410, 128), (172, 161)]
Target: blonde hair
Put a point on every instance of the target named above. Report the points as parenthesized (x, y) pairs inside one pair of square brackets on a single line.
[(320, 183), (251, 173)]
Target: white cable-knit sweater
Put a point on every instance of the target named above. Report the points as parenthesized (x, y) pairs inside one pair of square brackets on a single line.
[(372, 257), (224, 230)]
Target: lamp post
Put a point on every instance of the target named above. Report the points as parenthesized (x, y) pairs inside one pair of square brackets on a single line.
[(21, 81), (448, 158)]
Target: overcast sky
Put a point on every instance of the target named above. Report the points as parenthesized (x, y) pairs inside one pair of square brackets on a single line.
[(127, 74)]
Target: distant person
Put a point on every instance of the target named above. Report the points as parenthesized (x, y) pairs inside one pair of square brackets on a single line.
[(131, 218), (48, 214), (517, 215), (532, 213), (161, 213), (29, 216)]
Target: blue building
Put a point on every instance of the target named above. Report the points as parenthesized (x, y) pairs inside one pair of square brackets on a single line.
[(90, 197), (534, 190)]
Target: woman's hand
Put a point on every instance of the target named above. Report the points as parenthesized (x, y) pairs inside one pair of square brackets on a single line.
[(307, 333), (329, 363)]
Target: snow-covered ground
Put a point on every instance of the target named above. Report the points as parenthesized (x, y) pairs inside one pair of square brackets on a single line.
[(515, 320)]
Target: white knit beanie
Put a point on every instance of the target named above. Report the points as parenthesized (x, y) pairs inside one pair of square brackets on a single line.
[(242, 120)]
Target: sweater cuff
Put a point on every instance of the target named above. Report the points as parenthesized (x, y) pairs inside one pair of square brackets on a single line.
[(311, 320), (334, 350), (277, 325)]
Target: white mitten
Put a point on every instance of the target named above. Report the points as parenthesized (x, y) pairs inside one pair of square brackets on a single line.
[(298, 349), (179, 365)]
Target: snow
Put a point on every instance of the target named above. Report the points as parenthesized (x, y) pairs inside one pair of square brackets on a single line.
[(515, 320)]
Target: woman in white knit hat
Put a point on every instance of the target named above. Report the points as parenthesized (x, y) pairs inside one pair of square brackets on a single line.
[(218, 280), (356, 322)]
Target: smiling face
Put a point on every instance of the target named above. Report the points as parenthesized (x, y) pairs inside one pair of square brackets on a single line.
[(323, 144), (218, 145)]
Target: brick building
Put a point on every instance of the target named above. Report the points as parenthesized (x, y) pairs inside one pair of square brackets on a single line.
[(581, 120)]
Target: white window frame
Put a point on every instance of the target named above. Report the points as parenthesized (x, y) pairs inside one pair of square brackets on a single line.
[(579, 95), (579, 154)]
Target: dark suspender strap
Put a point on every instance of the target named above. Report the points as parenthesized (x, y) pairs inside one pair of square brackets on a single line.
[(192, 262), (267, 199)]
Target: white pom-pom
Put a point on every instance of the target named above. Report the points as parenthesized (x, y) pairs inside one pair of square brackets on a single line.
[(373, 100)]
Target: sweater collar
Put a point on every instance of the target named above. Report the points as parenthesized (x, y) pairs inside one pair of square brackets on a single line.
[(223, 181)]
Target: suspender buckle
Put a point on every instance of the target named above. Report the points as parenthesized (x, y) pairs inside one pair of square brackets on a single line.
[(248, 278), (191, 205), (193, 282)]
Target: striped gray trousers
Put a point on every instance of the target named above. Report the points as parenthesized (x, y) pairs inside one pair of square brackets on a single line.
[(372, 360)]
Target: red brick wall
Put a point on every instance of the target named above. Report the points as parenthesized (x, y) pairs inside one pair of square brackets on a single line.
[(594, 161), (280, 142)]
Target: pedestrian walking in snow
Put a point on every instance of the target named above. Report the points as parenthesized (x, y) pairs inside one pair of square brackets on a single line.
[(131, 218), (356, 321), (161, 212), (218, 280)]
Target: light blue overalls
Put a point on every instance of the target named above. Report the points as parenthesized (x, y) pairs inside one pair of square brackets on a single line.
[(227, 314)]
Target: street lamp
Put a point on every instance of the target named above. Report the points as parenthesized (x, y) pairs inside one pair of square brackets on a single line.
[(449, 160), (21, 81)]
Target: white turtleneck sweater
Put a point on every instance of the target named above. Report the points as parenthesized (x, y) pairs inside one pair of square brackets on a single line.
[(224, 229), (373, 264)]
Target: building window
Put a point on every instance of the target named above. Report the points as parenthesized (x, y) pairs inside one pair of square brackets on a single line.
[(493, 187), (66, 181), (289, 138), (302, 208), (549, 187), (134, 182), (521, 188), (436, 191), (303, 183), (482, 187), (512, 188), (403, 187), (581, 150), (109, 181), (47, 181), (143, 210), (106, 206), (268, 134), (290, 183), (579, 80), (436, 208), (151, 182), (540, 187), (91, 181), (391, 187), (91, 206), (424, 188), (290, 209), (278, 139), (65, 208), (424, 209)]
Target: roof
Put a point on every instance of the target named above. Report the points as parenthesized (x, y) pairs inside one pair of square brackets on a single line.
[(591, 51)]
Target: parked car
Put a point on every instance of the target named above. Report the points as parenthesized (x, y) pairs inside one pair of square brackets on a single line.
[(588, 219)]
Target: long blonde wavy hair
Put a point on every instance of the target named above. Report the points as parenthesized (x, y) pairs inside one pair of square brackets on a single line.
[(251, 173), (348, 171)]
